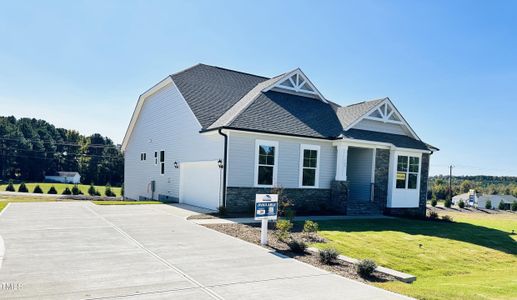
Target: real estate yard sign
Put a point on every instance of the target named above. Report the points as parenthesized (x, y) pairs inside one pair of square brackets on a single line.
[(266, 208)]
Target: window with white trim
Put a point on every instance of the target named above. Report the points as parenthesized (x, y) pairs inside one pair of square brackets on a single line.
[(309, 165), (266, 155), (408, 168), (162, 162), (143, 156)]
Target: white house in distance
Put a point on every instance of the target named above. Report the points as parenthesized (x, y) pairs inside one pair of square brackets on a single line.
[(210, 137), (65, 177), (478, 200)]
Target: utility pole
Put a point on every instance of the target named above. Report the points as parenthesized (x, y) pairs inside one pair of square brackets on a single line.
[(450, 181)]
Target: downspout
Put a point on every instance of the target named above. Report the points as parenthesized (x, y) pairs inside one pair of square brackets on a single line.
[(225, 163)]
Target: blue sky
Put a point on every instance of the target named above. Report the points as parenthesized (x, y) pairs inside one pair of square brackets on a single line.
[(449, 66)]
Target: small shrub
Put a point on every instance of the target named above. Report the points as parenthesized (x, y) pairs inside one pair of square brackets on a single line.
[(310, 227), (76, 190), (97, 193), (447, 218), (448, 203), (37, 190), (91, 190), (502, 205), (297, 246), (461, 204), (488, 204), (434, 202), (328, 256), (52, 190), (514, 206), (283, 227), (366, 267), (433, 215), (108, 192), (290, 213), (23, 188), (67, 191), (222, 210), (10, 187)]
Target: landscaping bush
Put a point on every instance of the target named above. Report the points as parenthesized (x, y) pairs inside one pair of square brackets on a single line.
[(310, 227), (10, 187), (297, 246), (366, 267), (91, 190), (52, 190), (108, 192), (488, 204), (328, 256), (433, 215), (76, 190), (461, 204), (514, 206), (67, 191), (37, 190), (447, 203), (434, 202), (23, 188), (282, 229), (97, 193), (447, 218), (502, 205)]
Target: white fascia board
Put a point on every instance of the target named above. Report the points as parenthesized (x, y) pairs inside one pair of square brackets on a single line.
[(375, 145), (271, 134), (396, 111)]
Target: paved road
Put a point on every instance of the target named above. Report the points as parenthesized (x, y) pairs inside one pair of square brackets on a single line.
[(79, 250)]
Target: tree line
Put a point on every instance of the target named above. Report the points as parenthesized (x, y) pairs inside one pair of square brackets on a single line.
[(32, 148), (488, 185)]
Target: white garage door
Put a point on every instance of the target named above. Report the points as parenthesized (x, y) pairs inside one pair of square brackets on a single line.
[(200, 184)]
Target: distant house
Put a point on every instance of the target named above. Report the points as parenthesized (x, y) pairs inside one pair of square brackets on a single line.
[(478, 200), (65, 177)]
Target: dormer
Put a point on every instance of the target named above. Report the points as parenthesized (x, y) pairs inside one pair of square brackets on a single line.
[(296, 82)]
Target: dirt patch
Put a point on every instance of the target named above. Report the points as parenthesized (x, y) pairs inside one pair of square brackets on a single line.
[(251, 233)]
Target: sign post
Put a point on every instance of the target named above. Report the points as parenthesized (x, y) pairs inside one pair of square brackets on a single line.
[(266, 208)]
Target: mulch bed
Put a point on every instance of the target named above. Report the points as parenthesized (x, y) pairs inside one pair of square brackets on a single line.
[(251, 233)]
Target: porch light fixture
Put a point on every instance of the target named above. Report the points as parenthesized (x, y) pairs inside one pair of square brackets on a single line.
[(176, 165), (220, 164)]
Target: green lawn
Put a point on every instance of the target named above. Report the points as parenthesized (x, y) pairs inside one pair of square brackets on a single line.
[(474, 257), (2, 205), (60, 187), (126, 202)]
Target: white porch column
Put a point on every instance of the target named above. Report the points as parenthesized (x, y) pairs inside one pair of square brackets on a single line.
[(341, 160)]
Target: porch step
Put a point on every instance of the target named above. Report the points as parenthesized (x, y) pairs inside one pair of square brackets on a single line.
[(362, 209)]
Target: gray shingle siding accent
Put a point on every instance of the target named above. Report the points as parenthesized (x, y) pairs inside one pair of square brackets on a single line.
[(349, 114)]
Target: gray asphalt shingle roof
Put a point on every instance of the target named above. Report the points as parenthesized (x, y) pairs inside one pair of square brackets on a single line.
[(220, 97)]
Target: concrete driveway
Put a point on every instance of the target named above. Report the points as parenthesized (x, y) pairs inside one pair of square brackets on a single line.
[(78, 250)]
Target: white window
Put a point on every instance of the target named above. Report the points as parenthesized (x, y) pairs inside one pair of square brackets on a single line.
[(309, 165), (155, 158), (162, 162), (143, 156), (408, 168), (266, 157)]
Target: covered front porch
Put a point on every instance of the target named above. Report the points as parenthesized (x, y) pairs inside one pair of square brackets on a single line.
[(363, 169)]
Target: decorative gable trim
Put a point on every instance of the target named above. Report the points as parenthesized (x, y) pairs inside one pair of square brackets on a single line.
[(297, 82), (385, 112)]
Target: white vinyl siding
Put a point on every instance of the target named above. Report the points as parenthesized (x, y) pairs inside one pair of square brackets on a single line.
[(165, 122), (241, 159)]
